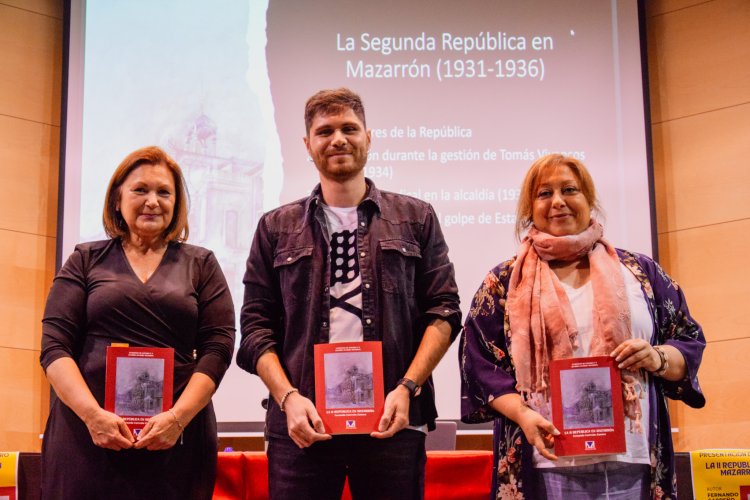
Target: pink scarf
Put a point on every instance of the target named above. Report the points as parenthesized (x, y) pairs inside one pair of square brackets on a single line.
[(542, 323)]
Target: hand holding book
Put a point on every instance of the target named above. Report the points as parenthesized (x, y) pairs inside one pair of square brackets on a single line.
[(539, 431), (109, 430), (161, 432), (303, 421), (395, 413), (634, 354), (104, 427)]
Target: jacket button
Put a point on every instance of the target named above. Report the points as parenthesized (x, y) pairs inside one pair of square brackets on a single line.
[(362, 254), (367, 285), (368, 321), (288, 259)]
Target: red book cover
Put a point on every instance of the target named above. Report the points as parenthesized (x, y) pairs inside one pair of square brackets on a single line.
[(139, 383), (349, 386), (586, 397)]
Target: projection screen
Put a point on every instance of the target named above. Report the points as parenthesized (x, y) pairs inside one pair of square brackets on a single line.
[(461, 98)]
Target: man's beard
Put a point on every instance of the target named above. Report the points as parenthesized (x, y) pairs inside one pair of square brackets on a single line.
[(342, 173)]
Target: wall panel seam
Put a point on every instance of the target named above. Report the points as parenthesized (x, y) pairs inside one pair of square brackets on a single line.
[(30, 121), (681, 8), (660, 233), (733, 339), (11, 348), (52, 237), (30, 11), (739, 104)]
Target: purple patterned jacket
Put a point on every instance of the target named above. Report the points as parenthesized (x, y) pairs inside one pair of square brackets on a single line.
[(487, 372)]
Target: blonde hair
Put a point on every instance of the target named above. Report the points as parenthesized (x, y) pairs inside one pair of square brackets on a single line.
[(544, 165)]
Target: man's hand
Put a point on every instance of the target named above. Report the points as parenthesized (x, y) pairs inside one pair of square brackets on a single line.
[(302, 419), (108, 430), (160, 433), (395, 413)]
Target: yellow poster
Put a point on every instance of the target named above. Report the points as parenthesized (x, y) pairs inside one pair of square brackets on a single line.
[(8, 474), (721, 474)]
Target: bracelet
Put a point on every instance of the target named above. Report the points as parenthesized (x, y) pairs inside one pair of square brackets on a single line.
[(664, 362), (176, 421), (288, 393), (179, 425)]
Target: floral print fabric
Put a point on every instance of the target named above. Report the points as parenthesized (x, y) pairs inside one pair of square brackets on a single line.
[(487, 372)]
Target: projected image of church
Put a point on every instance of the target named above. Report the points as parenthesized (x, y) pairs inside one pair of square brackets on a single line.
[(590, 404), (226, 195), (349, 381)]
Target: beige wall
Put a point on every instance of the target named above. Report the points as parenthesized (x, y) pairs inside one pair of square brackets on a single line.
[(30, 81), (699, 72), (698, 62)]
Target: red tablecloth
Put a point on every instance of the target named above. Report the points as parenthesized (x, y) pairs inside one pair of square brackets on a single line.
[(459, 475)]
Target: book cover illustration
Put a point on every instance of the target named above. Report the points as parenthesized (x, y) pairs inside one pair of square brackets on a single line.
[(139, 383), (349, 386), (587, 407)]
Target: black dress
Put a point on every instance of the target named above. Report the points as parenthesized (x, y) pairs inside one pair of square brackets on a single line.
[(97, 299)]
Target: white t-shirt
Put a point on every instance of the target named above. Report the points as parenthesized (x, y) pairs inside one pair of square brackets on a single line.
[(345, 317), (636, 439), (345, 286)]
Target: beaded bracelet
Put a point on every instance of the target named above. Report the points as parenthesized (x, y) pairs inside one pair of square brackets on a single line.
[(664, 362), (285, 396)]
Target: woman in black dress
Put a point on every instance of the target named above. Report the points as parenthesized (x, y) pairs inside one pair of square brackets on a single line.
[(144, 287)]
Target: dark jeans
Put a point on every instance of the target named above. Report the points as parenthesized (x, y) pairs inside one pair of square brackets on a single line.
[(377, 468)]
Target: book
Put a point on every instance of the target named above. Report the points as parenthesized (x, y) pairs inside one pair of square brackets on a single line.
[(587, 408), (139, 383), (9, 461), (349, 386)]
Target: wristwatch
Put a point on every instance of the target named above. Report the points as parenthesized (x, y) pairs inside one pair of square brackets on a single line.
[(414, 389)]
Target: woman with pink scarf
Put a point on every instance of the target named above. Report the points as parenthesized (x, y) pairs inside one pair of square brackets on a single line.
[(569, 293)]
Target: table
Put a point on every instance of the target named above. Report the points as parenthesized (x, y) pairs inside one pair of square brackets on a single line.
[(449, 475)]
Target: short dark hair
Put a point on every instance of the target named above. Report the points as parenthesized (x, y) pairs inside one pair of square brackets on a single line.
[(331, 101), (114, 224)]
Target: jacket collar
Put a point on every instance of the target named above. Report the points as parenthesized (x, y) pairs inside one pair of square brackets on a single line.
[(372, 198)]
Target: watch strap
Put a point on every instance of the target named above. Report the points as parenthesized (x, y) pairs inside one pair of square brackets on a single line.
[(412, 386)]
